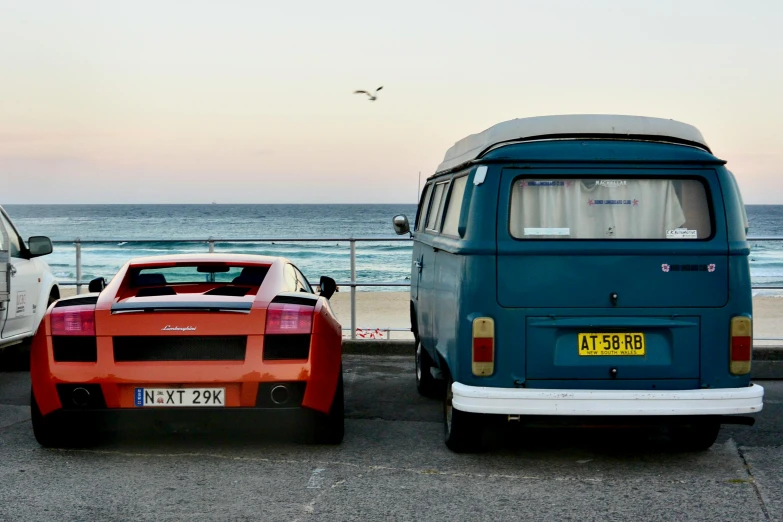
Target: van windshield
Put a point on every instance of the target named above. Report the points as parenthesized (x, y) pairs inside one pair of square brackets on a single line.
[(582, 208)]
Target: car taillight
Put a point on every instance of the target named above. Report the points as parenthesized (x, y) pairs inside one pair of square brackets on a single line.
[(73, 320), (483, 346), (286, 318), (741, 345)]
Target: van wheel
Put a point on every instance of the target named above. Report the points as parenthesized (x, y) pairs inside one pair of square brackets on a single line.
[(698, 437), (329, 428), (426, 384), (463, 431), (53, 434)]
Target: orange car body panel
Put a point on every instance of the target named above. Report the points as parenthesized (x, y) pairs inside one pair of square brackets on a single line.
[(240, 379)]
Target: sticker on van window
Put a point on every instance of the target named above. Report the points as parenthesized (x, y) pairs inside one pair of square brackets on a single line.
[(481, 174), (611, 183), (547, 183), (681, 233), (632, 202), (547, 231)]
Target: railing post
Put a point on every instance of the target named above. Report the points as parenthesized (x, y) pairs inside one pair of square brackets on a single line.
[(211, 245), (78, 244), (353, 288)]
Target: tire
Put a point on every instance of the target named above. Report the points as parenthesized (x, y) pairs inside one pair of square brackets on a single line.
[(462, 431), (697, 437), (329, 428), (53, 434), (16, 358), (426, 384)]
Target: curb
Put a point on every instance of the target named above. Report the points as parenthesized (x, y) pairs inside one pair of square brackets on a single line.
[(767, 360), (377, 347)]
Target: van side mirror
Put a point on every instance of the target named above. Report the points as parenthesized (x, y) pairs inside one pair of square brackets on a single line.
[(39, 246), (97, 285), (328, 286), (401, 225)]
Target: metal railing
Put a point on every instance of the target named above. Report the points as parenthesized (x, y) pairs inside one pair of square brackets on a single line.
[(210, 242), (353, 283)]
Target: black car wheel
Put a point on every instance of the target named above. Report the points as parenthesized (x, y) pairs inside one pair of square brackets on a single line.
[(463, 431), (697, 437), (329, 428), (426, 384), (53, 433)]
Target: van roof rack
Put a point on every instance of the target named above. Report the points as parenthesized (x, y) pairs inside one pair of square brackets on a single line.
[(571, 126)]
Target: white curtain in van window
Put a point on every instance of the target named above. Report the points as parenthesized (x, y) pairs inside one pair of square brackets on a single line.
[(451, 223), (595, 209)]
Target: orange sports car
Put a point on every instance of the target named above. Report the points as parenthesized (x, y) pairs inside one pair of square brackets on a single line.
[(174, 337)]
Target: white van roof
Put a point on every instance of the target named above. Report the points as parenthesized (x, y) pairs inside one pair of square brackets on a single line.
[(568, 126)]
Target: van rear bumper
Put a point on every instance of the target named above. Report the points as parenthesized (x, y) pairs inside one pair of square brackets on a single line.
[(522, 401)]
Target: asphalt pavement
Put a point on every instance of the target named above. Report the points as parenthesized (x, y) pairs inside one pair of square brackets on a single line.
[(392, 465)]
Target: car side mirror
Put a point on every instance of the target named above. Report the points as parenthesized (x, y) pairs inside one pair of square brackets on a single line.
[(97, 285), (39, 246), (328, 286), (401, 225)]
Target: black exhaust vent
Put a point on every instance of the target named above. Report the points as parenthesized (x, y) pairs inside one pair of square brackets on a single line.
[(286, 346), (74, 348), (81, 396), (179, 348), (294, 393)]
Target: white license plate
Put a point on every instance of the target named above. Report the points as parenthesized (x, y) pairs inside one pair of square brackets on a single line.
[(179, 397)]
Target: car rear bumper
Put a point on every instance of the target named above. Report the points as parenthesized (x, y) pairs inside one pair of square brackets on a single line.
[(522, 401), (250, 420)]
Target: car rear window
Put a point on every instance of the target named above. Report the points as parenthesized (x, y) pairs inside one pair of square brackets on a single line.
[(608, 208), (205, 273)]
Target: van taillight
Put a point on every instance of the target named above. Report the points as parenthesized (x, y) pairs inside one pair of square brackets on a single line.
[(73, 320), (286, 318), (741, 345), (483, 346)]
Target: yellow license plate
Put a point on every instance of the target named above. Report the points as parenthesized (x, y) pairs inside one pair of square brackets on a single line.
[(611, 344)]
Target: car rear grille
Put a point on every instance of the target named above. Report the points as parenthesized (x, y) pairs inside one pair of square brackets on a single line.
[(74, 348), (287, 346), (179, 348)]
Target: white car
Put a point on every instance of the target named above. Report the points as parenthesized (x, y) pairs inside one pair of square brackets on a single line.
[(27, 286)]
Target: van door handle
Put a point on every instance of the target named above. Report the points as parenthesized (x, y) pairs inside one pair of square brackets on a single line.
[(418, 264), (13, 270)]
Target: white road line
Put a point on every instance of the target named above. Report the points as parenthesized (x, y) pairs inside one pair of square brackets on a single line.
[(316, 479)]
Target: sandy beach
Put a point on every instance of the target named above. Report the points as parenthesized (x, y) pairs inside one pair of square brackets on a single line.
[(382, 310)]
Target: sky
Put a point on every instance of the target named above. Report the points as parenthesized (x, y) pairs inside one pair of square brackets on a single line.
[(252, 101)]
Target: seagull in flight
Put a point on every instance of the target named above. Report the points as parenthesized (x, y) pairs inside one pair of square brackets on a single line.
[(373, 96)]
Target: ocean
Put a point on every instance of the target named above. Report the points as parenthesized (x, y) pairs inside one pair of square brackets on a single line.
[(381, 261)]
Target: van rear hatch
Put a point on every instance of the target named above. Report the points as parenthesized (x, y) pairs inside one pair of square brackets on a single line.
[(630, 245)]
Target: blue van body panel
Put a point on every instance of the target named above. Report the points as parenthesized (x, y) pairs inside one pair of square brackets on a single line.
[(542, 293)]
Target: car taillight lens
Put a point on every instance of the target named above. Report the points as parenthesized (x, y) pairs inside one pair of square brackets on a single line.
[(741, 345), (483, 346), (285, 318), (73, 320)]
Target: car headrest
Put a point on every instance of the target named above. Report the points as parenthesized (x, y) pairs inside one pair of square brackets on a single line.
[(155, 291), (251, 275), (150, 279)]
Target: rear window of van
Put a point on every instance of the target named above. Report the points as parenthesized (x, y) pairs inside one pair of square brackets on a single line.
[(581, 208)]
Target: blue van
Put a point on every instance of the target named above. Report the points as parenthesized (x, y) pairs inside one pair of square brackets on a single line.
[(585, 268)]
